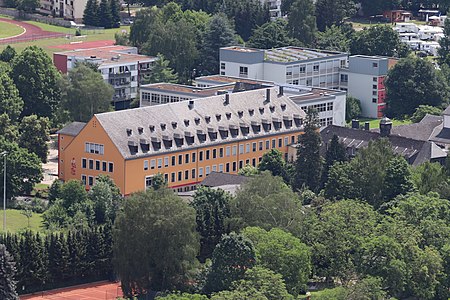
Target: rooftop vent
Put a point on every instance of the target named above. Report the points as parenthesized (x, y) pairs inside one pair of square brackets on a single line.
[(208, 119), (261, 110), (251, 111), (191, 104), (281, 91), (197, 120), (140, 130), (218, 117), (283, 106), (163, 126), (267, 95), (240, 113), (129, 131), (186, 122), (152, 128), (174, 125), (228, 115)]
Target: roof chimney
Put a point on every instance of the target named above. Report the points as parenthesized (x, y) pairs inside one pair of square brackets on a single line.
[(385, 127), (268, 95), (281, 91), (355, 124), (227, 99), (367, 126), (191, 104)]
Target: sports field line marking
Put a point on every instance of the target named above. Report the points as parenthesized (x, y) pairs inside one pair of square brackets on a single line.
[(14, 36)]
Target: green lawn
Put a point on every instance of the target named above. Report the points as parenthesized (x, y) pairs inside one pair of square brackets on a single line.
[(52, 28), (8, 29), (15, 221), (375, 123)]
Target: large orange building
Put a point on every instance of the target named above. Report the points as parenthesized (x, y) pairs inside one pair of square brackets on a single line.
[(185, 141)]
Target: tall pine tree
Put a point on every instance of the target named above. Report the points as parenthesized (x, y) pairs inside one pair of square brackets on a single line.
[(90, 15), (115, 13), (308, 167), (219, 33), (104, 14), (335, 153), (7, 272), (444, 42)]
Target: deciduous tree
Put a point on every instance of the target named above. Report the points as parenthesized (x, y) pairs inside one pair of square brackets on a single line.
[(149, 222), (231, 258), (282, 253), (36, 78), (267, 202), (34, 135), (405, 89), (85, 93), (302, 21), (333, 12), (273, 34)]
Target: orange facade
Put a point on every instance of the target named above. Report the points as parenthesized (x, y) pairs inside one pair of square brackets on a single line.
[(182, 169)]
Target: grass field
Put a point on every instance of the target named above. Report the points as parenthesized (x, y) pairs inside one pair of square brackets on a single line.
[(47, 44), (15, 221), (8, 30)]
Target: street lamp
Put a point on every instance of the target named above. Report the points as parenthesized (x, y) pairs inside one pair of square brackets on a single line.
[(4, 153)]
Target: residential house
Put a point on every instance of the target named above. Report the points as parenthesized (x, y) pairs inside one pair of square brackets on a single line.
[(67, 9)]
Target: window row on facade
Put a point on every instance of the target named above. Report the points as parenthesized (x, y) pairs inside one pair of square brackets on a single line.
[(97, 165), (155, 98), (193, 174), (228, 151)]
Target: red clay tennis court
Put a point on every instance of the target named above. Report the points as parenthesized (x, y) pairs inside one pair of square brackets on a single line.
[(92, 291)]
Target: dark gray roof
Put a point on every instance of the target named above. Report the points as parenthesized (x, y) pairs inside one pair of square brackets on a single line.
[(72, 129), (414, 151), (421, 131), (198, 123), (216, 179)]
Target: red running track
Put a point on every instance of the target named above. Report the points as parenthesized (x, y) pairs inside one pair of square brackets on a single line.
[(32, 33)]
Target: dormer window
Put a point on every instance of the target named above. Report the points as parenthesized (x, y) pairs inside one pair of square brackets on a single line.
[(189, 137), (267, 125), (212, 134), (245, 129), (201, 136), (256, 127), (298, 120), (179, 140), (133, 147), (145, 145), (287, 121), (223, 132), (234, 130), (156, 143), (276, 123)]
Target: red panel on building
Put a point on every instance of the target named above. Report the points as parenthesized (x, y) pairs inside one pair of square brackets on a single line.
[(60, 62), (381, 82)]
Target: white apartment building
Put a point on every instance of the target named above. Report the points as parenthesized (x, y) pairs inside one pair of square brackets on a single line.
[(274, 8), (330, 104), (67, 9), (287, 65), (120, 66)]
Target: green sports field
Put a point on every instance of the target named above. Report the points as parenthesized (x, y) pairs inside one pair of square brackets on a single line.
[(8, 30)]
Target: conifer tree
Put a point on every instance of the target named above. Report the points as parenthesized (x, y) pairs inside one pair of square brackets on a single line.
[(32, 268), (104, 14), (335, 153), (58, 255), (7, 272), (444, 42), (115, 13), (308, 167), (90, 15)]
